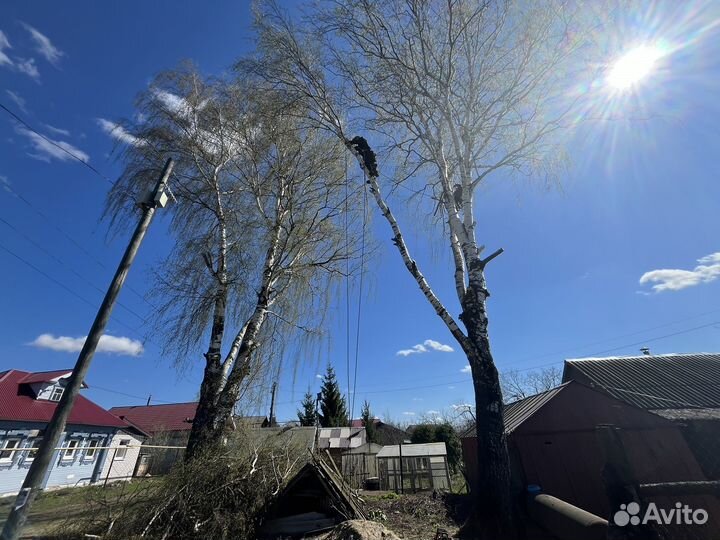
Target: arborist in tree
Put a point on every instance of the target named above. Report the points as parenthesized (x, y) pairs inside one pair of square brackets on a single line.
[(458, 196), (361, 146), (457, 199)]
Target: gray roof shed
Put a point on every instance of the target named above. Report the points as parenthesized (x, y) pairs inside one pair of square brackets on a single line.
[(665, 381)]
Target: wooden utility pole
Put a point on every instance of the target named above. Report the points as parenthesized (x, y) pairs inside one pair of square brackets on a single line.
[(271, 420), (36, 474)]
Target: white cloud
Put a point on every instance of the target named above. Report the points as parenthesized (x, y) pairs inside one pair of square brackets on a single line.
[(417, 349), (464, 407), (16, 98), (44, 46), (5, 184), (57, 131), (466, 369), (117, 132), (174, 104), (4, 44), (433, 413), (48, 149), (417, 399), (318, 376), (107, 344), (22, 65), (425, 346), (29, 68), (668, 279), (409, 413), (451, 388), (437, 346)]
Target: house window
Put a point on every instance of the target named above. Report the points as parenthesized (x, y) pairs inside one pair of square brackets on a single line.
[(57, 393), (121, 452), (32, 450), (91, 449), (6, 454), (70, 450)]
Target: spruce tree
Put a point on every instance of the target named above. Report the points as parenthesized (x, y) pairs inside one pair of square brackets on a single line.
[(306, 413), (368, 422), (333, 411)]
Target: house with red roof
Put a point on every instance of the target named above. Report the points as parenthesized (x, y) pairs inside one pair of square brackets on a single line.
[(95, 446), (166, 424), (169, 425)]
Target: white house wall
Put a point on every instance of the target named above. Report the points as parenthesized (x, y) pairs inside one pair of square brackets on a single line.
[(121, 468), (63, 473)]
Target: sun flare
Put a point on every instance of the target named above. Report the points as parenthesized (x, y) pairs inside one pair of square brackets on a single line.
[(633, 66)]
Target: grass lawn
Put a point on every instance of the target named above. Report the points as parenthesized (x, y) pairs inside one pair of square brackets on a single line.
[(53, 508)]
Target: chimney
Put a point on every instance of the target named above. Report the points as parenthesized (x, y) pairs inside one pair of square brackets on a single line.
[(645, 351)]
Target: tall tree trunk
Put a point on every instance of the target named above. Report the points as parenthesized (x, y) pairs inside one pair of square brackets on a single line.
[(493, 508), (229, 394), (222, 380), (204, 423)]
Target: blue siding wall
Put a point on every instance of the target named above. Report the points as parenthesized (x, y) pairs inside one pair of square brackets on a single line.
[(73, 470)]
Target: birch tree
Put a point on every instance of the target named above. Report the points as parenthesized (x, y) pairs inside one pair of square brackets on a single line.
[(519, 385), (261, 228), (454, 93)]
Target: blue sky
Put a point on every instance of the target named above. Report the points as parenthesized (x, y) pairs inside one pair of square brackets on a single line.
[(640, 195)]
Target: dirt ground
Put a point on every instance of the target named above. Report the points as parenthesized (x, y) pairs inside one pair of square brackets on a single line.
[(417, 516)]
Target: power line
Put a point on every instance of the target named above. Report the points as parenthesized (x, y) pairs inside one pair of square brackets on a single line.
[(686, 331), (360, 296), (56, 145), (69, 237), (64, 264), (143, 398), (605, 340), (65, 287), (48, 276), (46, 218), (538, 366), (657, 338), (347, 280)]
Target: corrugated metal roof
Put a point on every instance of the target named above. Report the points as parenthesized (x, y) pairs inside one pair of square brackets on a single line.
[(44, 376), (414, 450), (517, 412), (670, 381), (18, 403), (159, 418), (689, 414)]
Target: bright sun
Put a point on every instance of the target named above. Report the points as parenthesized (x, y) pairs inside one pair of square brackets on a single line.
[(632, 67)]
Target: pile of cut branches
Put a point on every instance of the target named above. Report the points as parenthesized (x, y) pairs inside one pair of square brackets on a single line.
[(219, 495)]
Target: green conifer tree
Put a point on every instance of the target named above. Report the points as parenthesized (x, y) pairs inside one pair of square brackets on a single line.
[(333, 410), (307, 414), (368, 422)]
